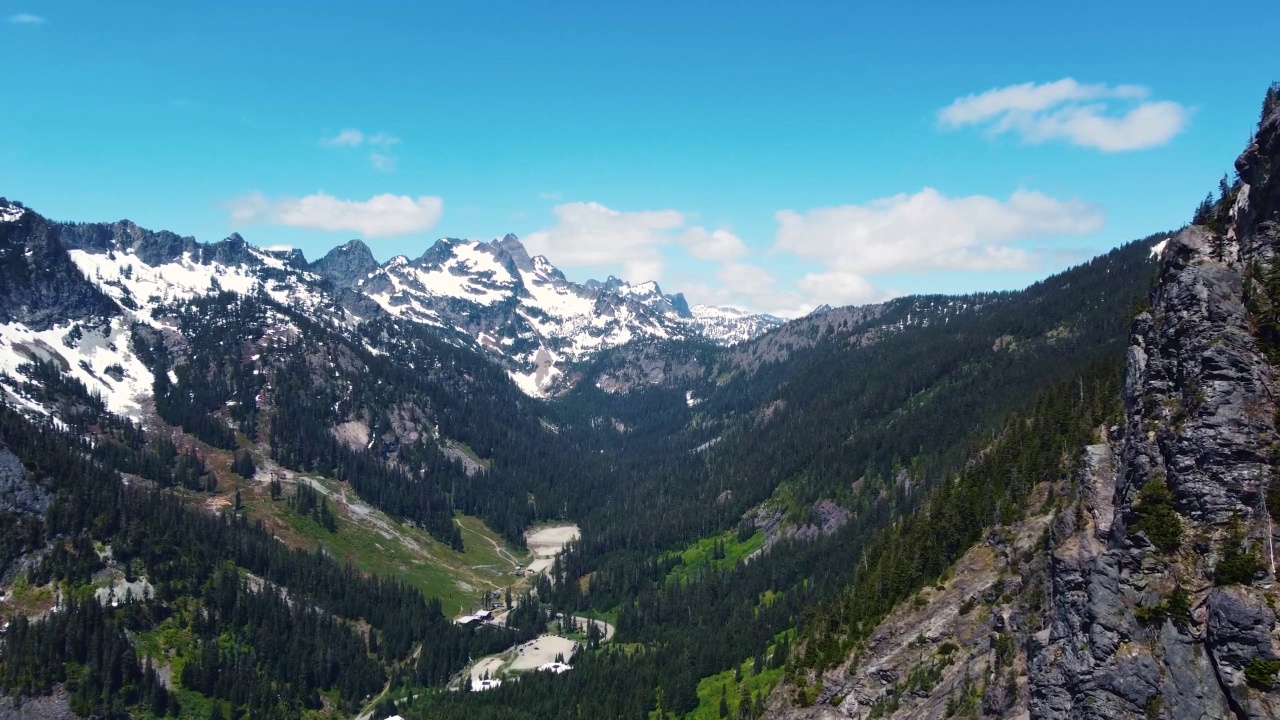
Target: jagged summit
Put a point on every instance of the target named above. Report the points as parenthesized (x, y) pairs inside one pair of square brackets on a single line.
[(511, 245), (524, 310), (10, 211), (520, 308), (40, 286), (346, 264)]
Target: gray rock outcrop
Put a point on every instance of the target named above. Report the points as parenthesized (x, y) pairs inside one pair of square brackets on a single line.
[(39, 284), (346, 264), (1200, 405)]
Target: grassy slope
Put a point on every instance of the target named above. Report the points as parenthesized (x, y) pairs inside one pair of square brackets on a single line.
[(698, 556), (367, 537), (379, 545)]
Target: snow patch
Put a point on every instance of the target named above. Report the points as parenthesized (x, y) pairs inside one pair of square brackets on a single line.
[(95, 360)]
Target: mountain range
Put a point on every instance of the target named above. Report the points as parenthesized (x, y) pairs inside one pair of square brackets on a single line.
[(520, 309), (236, 483)]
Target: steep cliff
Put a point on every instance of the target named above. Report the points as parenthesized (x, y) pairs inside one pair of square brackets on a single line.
[(39, 285), (1152, 591), (1171, 614)]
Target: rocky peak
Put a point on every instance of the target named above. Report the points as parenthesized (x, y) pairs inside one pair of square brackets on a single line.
[(40, 286), (232, 250), (439, 252), (1200, 423), (681, 305), (511, 245), (647, 293), (1256, 211), (293, 257), (346, 264), (10, 212)]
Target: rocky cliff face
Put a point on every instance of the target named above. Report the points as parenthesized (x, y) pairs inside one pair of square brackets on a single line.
[(1140, 624), (1154, 596), (346, 264), (39, 285)]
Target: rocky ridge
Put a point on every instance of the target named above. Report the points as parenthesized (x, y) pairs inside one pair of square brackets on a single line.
[(520, 309), (1200, 401), (1151, 593)]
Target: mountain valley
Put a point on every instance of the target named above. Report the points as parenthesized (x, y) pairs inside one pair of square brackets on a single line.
[(238, 483)]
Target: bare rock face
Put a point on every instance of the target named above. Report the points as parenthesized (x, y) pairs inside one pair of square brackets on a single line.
[(17, 493), (1200, 404), (56, 706), (1128, 630), (39, 284), (1199, 389), (959, 644), (346, 265)]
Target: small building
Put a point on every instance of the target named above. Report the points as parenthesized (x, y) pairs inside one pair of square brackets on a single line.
[(555, 667), (485, 684), (483, 615), (466, 620)]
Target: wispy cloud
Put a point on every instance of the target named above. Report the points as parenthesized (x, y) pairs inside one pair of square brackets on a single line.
[(26, 19), (349, 137), (1111, 118), (384, 215), (382, 139), (382, 163), (352, 137), (379, 159)]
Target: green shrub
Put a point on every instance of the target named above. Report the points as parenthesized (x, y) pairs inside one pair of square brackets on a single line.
[(1261, 673), (1176, 607), (1236, 568), (1156, 516)]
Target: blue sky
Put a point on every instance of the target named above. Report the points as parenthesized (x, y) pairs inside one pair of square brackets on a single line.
[(769, 155)]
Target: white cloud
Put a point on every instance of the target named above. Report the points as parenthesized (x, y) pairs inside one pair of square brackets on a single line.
[(745, 278), (745, 286), (1108, 118), (713, 245), (383, 215), (850, 245), (840, 288), (928, 231), (382, 139), (923, 232), (26, 19), (349, 137), (752, 286), (352, 137), (591, 235), (382, 163)]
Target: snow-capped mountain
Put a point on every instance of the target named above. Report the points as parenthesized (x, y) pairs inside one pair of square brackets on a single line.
[(647, 293), (721, 325), (516, 306), (520, 309), (76, 293), (730, 326)]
